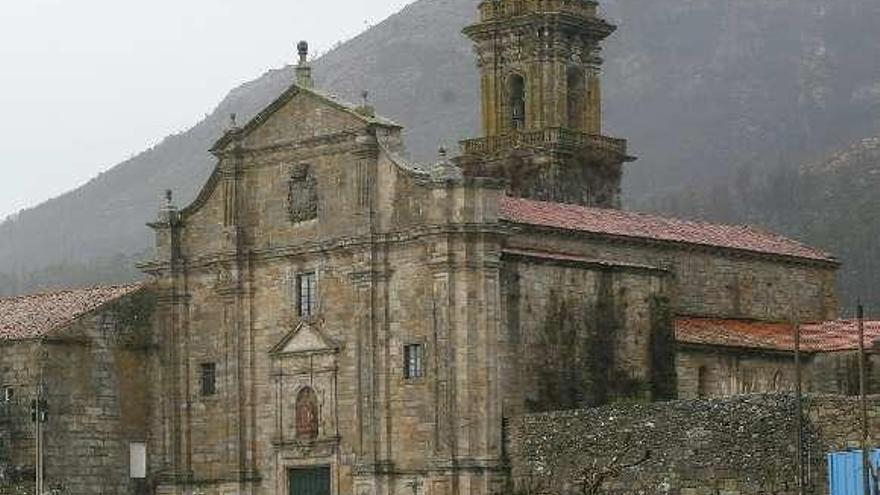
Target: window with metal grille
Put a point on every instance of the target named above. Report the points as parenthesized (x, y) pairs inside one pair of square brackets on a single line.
[(413, 356), (209, 379), (307, 294)]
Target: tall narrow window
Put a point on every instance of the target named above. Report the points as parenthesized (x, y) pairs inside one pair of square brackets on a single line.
[(576, 98), (517, 88), (307, 294), (8, 394), (209, 379), (413, 357)]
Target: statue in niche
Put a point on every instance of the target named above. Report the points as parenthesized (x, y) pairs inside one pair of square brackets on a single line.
[(306, 412), (302, 195)]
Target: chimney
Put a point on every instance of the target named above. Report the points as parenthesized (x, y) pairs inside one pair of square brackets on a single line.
[(303, 69)]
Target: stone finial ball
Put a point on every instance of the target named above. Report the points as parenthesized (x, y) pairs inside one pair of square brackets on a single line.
[(302, 47)]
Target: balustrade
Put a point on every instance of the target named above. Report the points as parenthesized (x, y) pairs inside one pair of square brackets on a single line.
[(490, 10), (545, 137)]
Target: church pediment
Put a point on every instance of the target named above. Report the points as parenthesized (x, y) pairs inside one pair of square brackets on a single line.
[(300, 114), (306, 338)]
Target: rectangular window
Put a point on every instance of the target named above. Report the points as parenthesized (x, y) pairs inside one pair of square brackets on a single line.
[(307, 294), (8, 394), (209, 379), (413, 357)]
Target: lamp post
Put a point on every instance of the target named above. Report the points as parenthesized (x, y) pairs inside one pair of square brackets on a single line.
[(39, 415)]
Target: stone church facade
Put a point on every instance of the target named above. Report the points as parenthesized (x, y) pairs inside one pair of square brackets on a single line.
[(331, 319), (334, 317)]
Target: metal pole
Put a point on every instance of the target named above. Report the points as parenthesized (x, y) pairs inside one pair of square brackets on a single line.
[(799, 406), (38, 434), (38, 424), (863, 402), (36, 412)]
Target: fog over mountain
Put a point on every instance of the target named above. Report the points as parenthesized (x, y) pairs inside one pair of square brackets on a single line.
[(740, 110)]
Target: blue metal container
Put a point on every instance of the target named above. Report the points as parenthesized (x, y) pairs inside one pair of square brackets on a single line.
[(845, 472)]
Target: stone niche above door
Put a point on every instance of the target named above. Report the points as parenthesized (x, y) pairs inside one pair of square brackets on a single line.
[(304, 365)]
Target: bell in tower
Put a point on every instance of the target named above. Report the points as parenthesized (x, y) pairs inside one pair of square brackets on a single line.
[(541, 109)]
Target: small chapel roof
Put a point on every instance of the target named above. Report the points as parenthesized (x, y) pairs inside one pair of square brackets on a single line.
[(829, 336), (36, 315), (653, 227)]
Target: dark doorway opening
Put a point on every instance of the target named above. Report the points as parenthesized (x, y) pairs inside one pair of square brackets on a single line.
[(309, 481)]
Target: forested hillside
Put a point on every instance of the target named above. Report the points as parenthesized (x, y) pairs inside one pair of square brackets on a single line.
[(834, 202), (720, 99)]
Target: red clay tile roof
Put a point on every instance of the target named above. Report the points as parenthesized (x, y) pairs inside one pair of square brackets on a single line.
[(36, 315), (644, 226), (815, 337)]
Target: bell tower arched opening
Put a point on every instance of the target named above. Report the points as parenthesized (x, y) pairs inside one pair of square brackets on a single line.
[(516, 89), (539, 65)]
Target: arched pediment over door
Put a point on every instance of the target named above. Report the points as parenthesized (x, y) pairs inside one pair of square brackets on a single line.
[(304, 365)]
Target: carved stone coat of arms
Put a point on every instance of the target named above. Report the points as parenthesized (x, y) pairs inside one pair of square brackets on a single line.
[(302, 194)]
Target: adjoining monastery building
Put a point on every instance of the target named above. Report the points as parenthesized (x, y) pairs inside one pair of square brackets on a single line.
[(327, 318)]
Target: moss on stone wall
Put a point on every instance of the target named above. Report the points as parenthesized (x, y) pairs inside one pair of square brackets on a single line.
[(134, 319), (663, 378), (737, 445), (602, 341)]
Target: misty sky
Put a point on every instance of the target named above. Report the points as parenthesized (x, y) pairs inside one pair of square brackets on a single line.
[(85, 84)]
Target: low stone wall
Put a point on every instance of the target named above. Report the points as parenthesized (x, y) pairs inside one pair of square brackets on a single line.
[(739, 445)]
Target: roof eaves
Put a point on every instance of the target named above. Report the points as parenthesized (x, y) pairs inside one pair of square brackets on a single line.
[(743, 348), (830, 260), (62, 326), (97, 309)]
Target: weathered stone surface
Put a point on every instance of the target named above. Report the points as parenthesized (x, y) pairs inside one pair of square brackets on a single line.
[(541, 103), (510, 319), (96, 374), (253, 383), (743, 445)]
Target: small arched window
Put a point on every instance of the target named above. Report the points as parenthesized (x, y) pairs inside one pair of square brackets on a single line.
[(517, 90), (576, 97), (306, 414)]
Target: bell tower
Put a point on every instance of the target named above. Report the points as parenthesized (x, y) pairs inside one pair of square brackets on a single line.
[(539, 63)]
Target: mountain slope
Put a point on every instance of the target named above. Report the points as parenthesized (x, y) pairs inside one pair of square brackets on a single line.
[(832, 202), (708, 92)]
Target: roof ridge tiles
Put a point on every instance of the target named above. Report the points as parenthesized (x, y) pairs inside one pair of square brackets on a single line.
[(59, 291), (651, 226), (34, 316)]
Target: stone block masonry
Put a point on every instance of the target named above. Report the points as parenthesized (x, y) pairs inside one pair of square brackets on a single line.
[(739, 445)]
